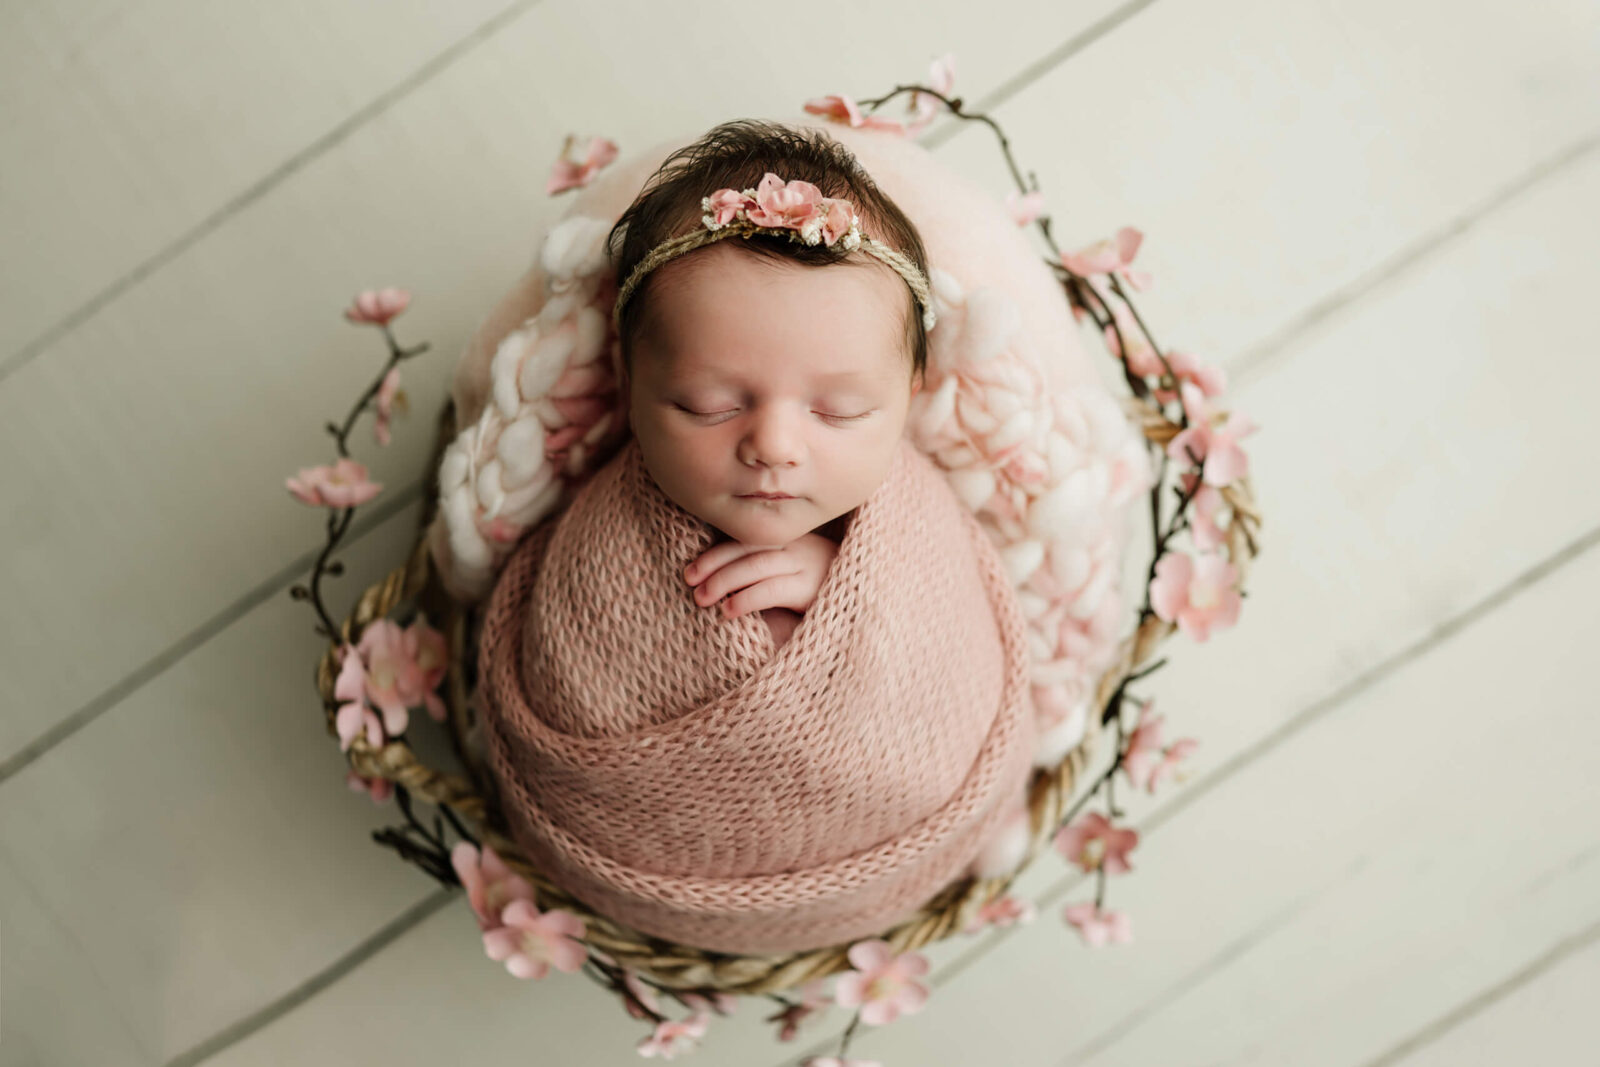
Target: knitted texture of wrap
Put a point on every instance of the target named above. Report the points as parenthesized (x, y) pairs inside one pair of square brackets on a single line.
[(681, 774)]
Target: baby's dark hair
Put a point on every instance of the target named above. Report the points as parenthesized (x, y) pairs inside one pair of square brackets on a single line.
[(735, 155)]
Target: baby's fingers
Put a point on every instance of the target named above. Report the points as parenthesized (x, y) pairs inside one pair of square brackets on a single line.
[(783, 591), (715, 558), (746, 570)]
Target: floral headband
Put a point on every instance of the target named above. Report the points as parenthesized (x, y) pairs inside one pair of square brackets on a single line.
[(795, 208)]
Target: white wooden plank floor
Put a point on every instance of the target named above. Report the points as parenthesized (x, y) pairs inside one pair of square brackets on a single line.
[(1379, 216)]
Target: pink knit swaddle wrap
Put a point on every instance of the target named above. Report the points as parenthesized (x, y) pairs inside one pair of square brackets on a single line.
[(676, 771)]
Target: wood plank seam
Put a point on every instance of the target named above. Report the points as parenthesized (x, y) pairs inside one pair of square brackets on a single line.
[(264, 1016), (277, 585), (941, 133), (214, 221), (1250, 361), (1197, 975), (1447, 1022)]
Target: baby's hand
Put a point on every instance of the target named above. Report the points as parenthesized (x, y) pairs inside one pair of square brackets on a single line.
[(760, 578)]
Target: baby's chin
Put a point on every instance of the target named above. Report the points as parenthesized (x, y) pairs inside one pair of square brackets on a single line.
[(773, 524), (772, 531)]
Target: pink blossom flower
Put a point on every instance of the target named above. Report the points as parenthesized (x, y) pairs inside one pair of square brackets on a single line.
[(531, 942), (1110, 256), (569, 173), (389, 396), (724, 204), (842, 108), (1203, 508), (1212, 380), (354, 717), (838, 107), (836, 222), (1092, 842), (787, 204), (1144, 746), (489, 883), (1175, 754), (1217, 446), (942, 80), (1198, 594), (1140, 355), (1002, 911), (813, 999), (1148, 760), (392, 673), (380, 789), (1025, 207), (352, 721), (375, 307), (430, 654), (342, 485), (1098, 927), (882, 985), (674, 1036)]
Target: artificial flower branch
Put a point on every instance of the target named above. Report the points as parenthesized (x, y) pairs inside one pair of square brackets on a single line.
[(389, 668), (375, 307)]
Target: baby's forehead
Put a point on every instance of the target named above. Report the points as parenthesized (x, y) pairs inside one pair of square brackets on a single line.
[(724, 311), (700, 369)]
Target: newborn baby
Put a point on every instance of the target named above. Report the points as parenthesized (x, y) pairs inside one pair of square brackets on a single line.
[(671, 743), (767, 381)]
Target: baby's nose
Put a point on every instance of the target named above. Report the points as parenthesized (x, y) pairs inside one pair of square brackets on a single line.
[(774, 441)]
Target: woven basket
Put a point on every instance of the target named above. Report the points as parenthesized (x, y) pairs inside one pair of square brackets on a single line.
[(415, 587)]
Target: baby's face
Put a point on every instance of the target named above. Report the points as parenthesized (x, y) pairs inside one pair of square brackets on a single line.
[(763, 376)]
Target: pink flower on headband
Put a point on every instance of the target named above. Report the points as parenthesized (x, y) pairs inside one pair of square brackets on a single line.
[(724, 204), (841, 214), (780, 205), (568, 173), (789, 205)]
